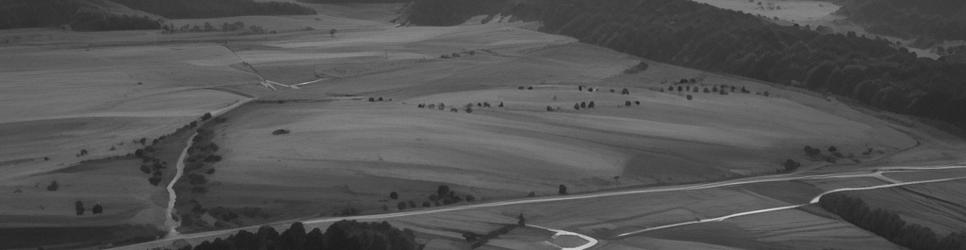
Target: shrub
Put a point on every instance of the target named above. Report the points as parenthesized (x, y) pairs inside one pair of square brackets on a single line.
[(791, 165), (53, 186), (393, 196), (79, 208), (281, 132), (97, 209), (562, 189)]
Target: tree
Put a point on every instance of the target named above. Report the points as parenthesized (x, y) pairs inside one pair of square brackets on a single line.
[(332, 32), (206, 116), (79, 208), (562, 189), (577, 106), (53, 186), (690, 97), (521, 221), (442, 191), (583, 104), (97, 209), (591, 104), (791, 165), (393, 195), (401, 205)]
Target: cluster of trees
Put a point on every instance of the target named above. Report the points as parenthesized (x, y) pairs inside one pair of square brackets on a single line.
[(202, 155), (458, 54), (343, 235), (926, 19), (208, 27), (95, 210), (889, 224), (687, 33), (179, 9), (443, 196), (468, 108)]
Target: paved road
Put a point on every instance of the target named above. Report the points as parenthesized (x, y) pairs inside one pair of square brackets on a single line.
[(871, 173)]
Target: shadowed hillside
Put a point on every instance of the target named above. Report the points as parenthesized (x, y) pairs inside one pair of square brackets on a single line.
[(78, 15), (94, 15), (701, 36), (215, 8)]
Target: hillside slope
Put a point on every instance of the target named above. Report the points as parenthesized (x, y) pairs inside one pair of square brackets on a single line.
[(77, 14), (704, 37)]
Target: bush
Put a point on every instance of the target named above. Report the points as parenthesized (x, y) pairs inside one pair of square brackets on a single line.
[(53, 186), (97, 209), (562, 189), (79, 208), (394, 196), (281, 132), (791, 165)]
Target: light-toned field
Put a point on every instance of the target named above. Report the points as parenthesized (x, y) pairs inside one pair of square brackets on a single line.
[(346, 152)]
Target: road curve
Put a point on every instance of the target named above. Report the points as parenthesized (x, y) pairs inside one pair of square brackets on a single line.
[(591, 242), (751, 180)]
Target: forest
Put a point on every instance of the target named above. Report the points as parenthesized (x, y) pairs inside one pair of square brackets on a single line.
[(874, 72), (889, 225), (920, 19), (343, 235)]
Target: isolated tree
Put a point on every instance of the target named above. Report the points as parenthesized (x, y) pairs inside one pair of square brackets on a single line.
[(791, 165), (583, 104), (591, 104), (627, 103), (442, 191), (690, 97), (580, 88), (521, 221), (206, 116), (393, 195), (401, 205), (577, 106), (53, 186), (562, 190), (531, 194), (501, 104), (79, 208), (97, 209)]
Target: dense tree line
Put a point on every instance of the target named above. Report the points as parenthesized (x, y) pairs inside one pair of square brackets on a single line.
[(343, 235), (929, 19), (355, 1), (79, 15), (215, 8), (889, 225), (875, 72)]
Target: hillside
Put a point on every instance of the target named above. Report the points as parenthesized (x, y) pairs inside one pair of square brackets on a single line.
[(704, 37), (96, 15), (77, 14)]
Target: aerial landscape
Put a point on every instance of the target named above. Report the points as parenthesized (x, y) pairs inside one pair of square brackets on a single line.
[(482, 124)]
